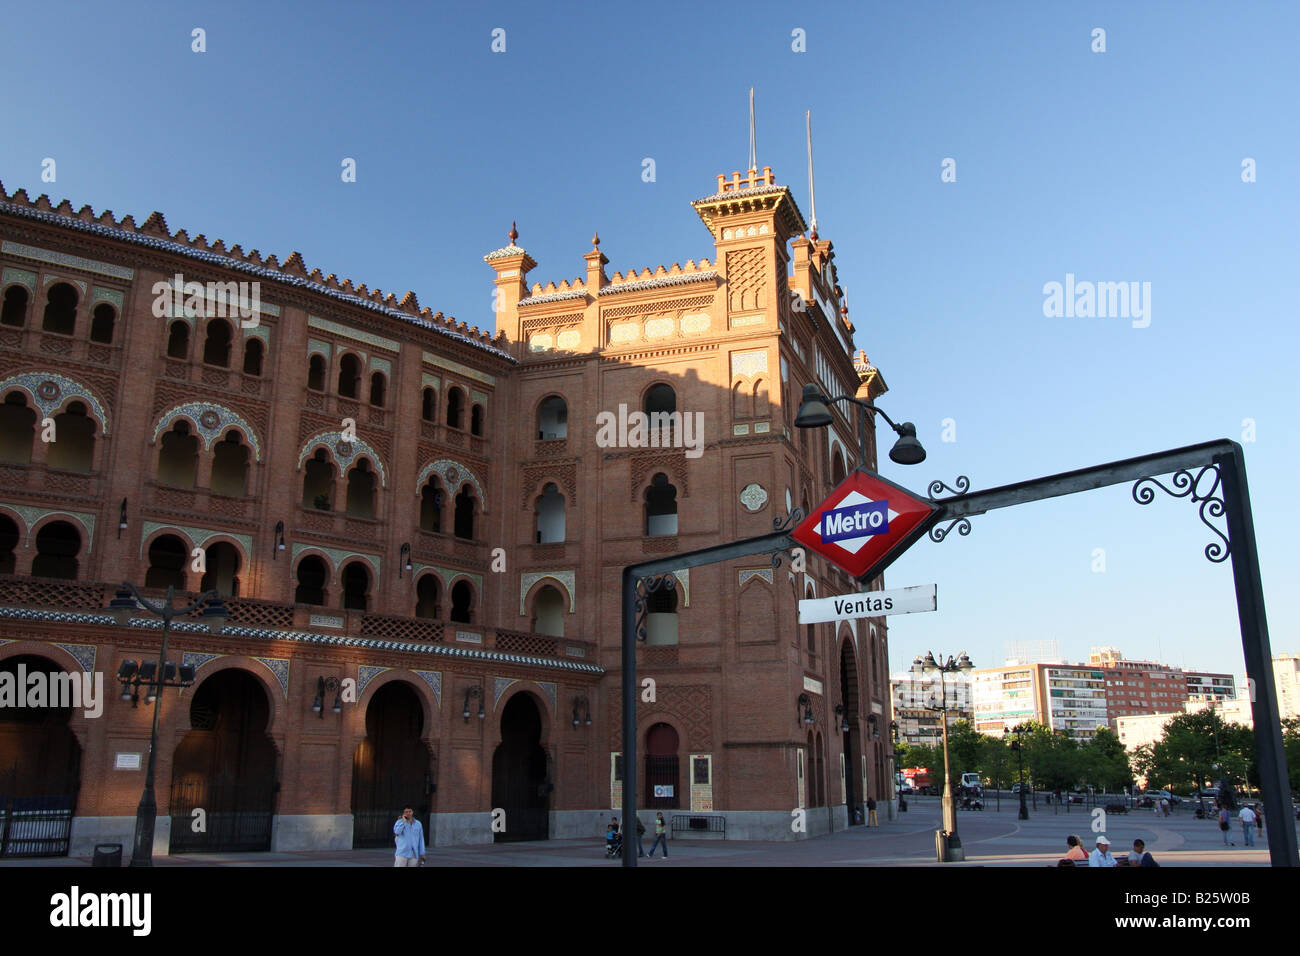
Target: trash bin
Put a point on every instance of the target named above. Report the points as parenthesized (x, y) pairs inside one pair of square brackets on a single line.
[(940, 846), (107, 854)]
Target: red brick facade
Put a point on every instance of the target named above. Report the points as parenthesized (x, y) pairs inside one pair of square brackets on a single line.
[(205, 441)]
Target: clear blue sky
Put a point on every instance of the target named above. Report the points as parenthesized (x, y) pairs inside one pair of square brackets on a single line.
[(1115, 166)]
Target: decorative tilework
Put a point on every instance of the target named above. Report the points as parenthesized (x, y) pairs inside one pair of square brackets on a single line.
[(378, 341), (658, 328), (695, 323), (434, 680), (540, 342), (446, 575), (452, 473), (754, 496), (337, 555), (20, 276), (430, 381), (477, 396), (469, 637), (741, 321), (549, 689), (365, 674), (50, 391), (748, 363), (209, 421), (744, 574), (112, 296), (326, 620), (563, 578), (317, 347), (345, 452), (740, 429), (684, 582), (198, 536), (31, 515), (60, 258), (499, 686), (258, 331), (465, 370), (197, 660), (624, 332), (280, 668), (83, 654), (569, 340), (79, 283), (762, 428), (381, 365)]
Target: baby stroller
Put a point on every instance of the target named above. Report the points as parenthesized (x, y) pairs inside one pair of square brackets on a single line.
[(613, 844)]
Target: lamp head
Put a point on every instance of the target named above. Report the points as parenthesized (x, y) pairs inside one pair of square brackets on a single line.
[(813, 412), (214, 616), (123, 606), (907, 450)]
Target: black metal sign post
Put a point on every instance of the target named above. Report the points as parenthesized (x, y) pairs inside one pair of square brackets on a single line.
[(1226, 495)]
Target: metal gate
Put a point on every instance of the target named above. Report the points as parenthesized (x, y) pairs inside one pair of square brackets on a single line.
[(661, 772), (375, 808), (36, 826), (236, 816)]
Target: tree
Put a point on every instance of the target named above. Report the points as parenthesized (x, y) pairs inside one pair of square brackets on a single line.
[(965, 747), (1105, 762)]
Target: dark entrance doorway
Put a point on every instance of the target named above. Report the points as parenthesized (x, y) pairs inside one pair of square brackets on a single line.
[(390, 770), (661, 769), (852, 763), (519, 780), (225, 766), (40, 768)]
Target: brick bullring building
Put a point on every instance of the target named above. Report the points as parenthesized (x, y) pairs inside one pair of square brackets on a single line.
[(418, 530)]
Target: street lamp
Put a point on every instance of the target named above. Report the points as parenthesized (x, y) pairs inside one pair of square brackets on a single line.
[(815, 413), (930, 666), (1019, 731), (154, 675)]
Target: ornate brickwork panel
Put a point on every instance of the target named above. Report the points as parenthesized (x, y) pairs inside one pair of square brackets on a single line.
[(563, 471), (345, 452), (745, 280), (209, 421), (51, 391), (689, 704), (31, 515), (453, 474), (564, 579), (672, 462)]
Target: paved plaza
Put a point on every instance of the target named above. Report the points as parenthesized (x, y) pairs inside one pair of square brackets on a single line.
[(991, 838)]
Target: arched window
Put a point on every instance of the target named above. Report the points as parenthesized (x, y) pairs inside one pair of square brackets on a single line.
[(661, 411), (349, 376), (429, 405), (361, 490), (312, 576), (102, 322), (455, 407), (462, 602), (476, 420), (57, 547), (837, 467), (216, 347), (230, 466), (661, 616), (14, 310), (377, 389), (811, 628), (550, 515), (660, 507), (17, 429), (356, 586), (8, 542), (178, 459), (222, 561), (73, 447), (427, 598), (761, 405), (60, 310), (465, 513), (316, 373), (178, 340), (253, 352), (553, 419), (167, 559), (318, 482), (433, 501), (548, 612)]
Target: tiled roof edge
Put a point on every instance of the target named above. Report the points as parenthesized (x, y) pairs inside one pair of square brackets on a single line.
[(658, 282)]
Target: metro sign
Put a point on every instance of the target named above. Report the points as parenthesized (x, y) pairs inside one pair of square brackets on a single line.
[(865, 523)]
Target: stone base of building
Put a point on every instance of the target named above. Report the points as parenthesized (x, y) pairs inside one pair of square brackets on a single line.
[(88, 832), (583, 824), (311, 831), (459, 829)]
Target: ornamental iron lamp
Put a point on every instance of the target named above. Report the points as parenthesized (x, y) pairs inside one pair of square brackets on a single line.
[(814, 412), (803, 710), (324, 684), (928, 666), (473, 693), (279, 540)]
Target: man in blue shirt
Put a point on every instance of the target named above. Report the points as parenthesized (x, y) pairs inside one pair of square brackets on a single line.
[(410, 840)]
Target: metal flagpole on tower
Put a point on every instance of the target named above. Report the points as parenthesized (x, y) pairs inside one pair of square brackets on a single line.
[(812, 195), (753, 145)]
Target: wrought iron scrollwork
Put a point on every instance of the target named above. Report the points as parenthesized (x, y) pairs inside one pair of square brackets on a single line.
[(786, 523), (1185, 485), (963, 486), (962, 525), (644, 588)]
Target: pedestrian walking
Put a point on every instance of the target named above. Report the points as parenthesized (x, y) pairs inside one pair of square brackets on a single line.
[(872, 821), (1259, 817), (1140, 856), (408, 834), (640, 832), (661, 836), (1101, 856), (1248, 818), (1225, 824)]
